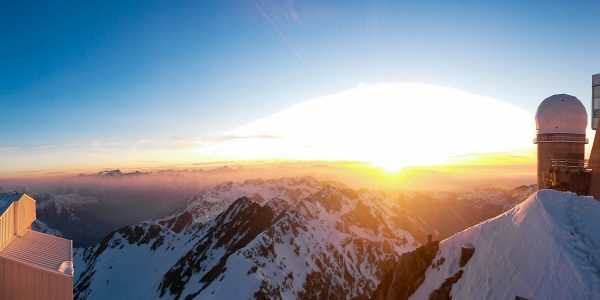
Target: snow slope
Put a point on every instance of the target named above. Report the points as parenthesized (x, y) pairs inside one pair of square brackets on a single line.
[(547, 247)]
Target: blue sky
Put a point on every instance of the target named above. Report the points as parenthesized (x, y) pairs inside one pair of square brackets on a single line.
[(122, 73)]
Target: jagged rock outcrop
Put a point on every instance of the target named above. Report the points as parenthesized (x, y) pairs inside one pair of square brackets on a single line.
[(402, 278)]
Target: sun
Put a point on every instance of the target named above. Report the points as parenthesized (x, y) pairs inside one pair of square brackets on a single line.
[(390, 125), (390, 166)]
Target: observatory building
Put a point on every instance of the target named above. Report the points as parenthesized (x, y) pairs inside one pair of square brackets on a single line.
[(561, 123)]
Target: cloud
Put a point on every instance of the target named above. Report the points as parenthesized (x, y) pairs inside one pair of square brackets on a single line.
[(391, 125), (8, 149), (272, 12), (191, 138), (231, 137), (198, 141), (64, 145)]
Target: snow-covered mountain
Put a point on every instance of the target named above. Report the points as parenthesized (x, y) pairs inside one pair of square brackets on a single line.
[(87, 208), (544, 248), (266, 239)]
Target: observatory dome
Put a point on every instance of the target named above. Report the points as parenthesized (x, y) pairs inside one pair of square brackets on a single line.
[(561, 114)]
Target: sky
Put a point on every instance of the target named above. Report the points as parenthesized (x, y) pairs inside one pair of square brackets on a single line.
[(140, 83)]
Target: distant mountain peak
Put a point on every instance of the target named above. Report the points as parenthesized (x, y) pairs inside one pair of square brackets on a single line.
[(115, 173)]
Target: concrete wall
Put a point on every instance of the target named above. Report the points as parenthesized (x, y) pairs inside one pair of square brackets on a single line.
[(20, 281), (556, 150)]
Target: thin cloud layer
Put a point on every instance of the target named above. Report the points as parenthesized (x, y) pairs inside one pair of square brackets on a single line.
[(390, 125)]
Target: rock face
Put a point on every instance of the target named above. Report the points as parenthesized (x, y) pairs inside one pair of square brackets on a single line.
[(443, 292), (292, 238), (234, 229), (466, 252), (402, 278)]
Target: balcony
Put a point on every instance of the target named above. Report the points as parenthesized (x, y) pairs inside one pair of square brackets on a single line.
[(560, 139), (569, 164)]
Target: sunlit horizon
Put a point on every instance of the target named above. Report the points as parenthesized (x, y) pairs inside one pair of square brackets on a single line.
[(388, 125)]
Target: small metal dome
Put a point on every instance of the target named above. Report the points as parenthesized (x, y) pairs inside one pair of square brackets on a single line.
[(561, 114)]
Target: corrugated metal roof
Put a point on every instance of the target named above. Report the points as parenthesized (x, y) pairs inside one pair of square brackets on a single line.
[(6, 199), (40, 250)]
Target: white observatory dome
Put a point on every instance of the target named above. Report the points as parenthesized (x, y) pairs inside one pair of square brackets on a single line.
[(561, 114)]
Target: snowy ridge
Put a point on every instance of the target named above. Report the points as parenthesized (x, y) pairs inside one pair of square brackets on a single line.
[(544, 248), (304, 251), (284, 238), (212, 202)]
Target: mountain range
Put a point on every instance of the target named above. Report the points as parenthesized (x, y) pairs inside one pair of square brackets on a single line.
[(293, 237), (274, 239), (301, 238)]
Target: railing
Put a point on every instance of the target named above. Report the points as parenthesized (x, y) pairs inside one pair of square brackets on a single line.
[(560, 139), (568, 163)]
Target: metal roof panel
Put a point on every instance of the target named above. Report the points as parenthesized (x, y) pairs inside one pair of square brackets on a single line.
[(41, 250)]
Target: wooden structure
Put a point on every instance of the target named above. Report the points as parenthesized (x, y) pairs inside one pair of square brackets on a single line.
[(33, 265)]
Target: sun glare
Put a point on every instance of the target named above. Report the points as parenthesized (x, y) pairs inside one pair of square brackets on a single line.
[(388, 166), (390, 125)]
